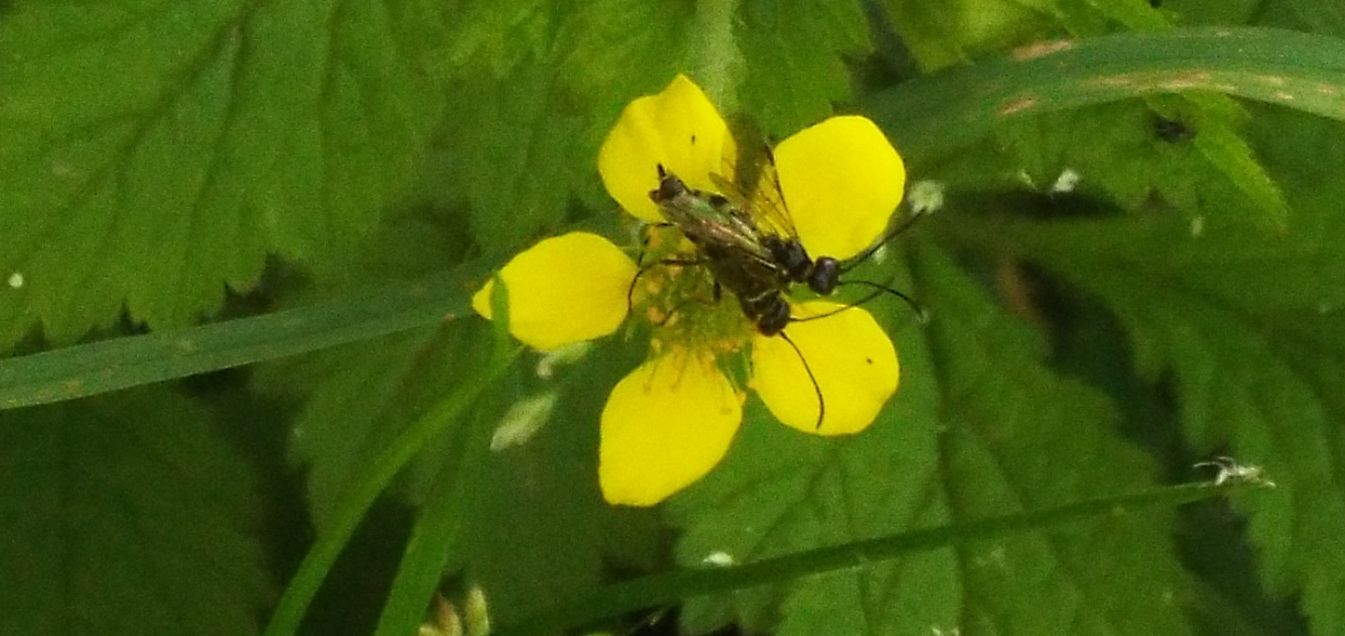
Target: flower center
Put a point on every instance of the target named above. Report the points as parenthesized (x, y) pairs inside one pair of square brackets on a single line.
[(676, 295)]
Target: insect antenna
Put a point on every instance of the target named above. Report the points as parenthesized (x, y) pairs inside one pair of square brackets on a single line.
[(821, 404), (896, 230), (920, 313)]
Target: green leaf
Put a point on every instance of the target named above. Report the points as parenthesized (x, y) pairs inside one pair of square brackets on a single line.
[(1006, 413), (127, 515), (529, 117), (385, 462), (570, 539), (660, 589), (939, 37), (1120, 150), (1293, 69), (1210, 12), (363, 398), (155, 153), (517, 149), (1319, 17), (935, 115), (1267, 400), (439, 531), (535, 89), (794, 58), (964, 440), (536, 530), (1246, 324)]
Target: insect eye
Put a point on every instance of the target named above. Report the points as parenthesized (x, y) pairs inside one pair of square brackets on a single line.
[(823, 277), (669, 187)]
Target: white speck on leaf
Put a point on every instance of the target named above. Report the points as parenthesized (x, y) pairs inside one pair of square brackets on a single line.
[(926, 196), (16, 280), (1230, 470), (523, 420), (994, 558), (1198, 226), (719, 558), (476, 612), (546, 367), (1067, 181)]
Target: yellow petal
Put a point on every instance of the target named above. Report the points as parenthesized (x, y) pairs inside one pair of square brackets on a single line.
[(564, 290), (678, 128), (665, 426), (842, 180), (851, 357)]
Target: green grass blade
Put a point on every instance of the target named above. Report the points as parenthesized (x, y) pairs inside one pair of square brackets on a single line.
[(660, 589), (437, 534), (438, 530), (943, 111), (84, 370), (313, 569)]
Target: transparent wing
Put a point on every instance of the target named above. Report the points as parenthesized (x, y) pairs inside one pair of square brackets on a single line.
[(763, 200), (733, 228), (768, 200), (730, 191)]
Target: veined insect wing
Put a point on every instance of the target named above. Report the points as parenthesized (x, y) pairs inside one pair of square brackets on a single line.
[(762, 201), (757, 190)]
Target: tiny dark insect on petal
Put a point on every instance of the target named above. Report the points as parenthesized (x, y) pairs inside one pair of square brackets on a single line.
[(868, 360)]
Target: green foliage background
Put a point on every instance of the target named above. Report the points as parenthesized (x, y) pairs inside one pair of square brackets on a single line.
[(237, 239)]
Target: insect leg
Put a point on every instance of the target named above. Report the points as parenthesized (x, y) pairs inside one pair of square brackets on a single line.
[(644, 238), (822, 405), (639, 261), (670, 262), (630, 291)]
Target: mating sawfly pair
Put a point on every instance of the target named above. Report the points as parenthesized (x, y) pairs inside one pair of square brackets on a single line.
[(749, 245)]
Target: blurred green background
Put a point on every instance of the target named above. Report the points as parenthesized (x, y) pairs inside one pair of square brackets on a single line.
[(237, 241)]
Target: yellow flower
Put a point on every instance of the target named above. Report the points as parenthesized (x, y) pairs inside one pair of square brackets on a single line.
[(668, 422)]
